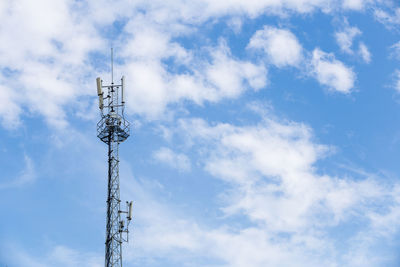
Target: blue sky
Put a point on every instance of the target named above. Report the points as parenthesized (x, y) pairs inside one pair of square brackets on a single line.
[(264, 133)]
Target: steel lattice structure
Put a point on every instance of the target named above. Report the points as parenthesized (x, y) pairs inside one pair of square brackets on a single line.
[(113, 129)]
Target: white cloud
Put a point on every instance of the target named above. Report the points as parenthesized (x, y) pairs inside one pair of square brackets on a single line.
[(152, 87), (345, 38), (283, 49), (254, 8), (182, 240), (51, 66), (45, 55), (272, 174), (287, 203), (27, 175), (386, 18), (385, 224), (281, 46), (10, 109), (229, 75), (355, 4), (389, 18), (397, 80), (175, 160), (52, 70), (364, 52), (395, 50), (331, 72), (236, 24), (58, 256), (283, 207)]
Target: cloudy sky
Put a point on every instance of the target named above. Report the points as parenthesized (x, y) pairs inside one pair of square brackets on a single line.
[(264, 132)]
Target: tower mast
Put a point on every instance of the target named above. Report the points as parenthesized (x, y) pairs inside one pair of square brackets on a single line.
[(113, 129)]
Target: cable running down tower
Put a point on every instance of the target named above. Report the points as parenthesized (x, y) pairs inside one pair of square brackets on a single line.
[(113, 129)]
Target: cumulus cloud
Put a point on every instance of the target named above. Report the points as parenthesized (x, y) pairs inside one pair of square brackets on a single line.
[(355, 4), (52, 67), (153, 87), (280, 45), (205, 9), (230, 76), (345, 38), (272, 180), (58, 256), (269, 168), (364, 53), (388, 19), (395, 50), (52, 70), (397, 80), (283, 49), (45, 57), (272, 186), (275, 159), (331, 72), (175, 160), (236, 24), (27, 175), (10, 109)]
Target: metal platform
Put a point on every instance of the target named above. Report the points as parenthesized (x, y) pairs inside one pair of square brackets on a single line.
[(110, 125)]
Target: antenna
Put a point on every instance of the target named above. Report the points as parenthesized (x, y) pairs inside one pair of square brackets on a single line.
[(112, 65), (113, 129), (122, 89), (130, 211), (99, 92)]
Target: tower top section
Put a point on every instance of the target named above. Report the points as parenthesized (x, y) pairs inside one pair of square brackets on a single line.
[(112, 126)]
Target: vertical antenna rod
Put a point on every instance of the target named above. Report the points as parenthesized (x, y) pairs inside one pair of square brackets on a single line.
[(112, 65), (113, 129)]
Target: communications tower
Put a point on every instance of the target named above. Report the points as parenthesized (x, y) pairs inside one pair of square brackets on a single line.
[(113, 129)]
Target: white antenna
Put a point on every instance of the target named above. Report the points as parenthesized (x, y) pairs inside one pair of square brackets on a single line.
[(130, 211), (122, 89), (99, 92)]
